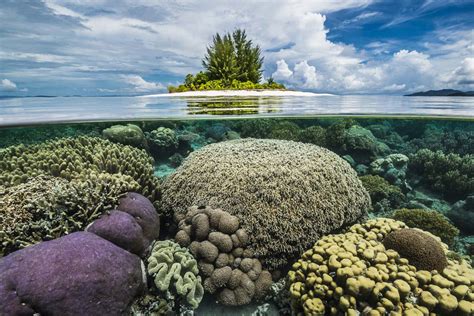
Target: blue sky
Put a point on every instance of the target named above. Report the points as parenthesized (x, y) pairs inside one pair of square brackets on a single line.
[(109, 47)]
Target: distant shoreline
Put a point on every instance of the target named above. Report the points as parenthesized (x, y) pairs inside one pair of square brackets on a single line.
[(240, 93)]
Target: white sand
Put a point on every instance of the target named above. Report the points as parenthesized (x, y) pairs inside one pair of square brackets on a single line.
[(240, 93)]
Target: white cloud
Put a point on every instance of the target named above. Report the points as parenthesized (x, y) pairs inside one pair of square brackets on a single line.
[(8, 85), (464, 74), (141, 85), (282, 72)]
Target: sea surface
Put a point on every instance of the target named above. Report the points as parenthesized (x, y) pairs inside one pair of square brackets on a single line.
[(37, 110)]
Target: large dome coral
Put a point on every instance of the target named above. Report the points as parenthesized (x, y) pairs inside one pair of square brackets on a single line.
[(286, 194)]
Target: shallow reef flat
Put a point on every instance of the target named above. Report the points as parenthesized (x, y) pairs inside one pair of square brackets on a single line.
[(249, 216)]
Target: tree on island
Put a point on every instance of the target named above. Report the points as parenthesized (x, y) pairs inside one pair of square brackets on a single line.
[(232, 62)]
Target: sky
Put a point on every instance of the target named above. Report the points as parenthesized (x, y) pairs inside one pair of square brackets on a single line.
[(130, 47)]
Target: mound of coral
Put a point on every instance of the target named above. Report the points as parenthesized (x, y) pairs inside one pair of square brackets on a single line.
[(285, 194), (175, 270), (75, 158), (230, 269), (129, 134), (384, 196), (83, 273), (355, 273)]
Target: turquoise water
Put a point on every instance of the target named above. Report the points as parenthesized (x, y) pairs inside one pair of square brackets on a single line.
[(312, 191), (36, 110)]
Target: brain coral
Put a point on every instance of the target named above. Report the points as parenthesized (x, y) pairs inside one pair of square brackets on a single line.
[(286, 194), (354, 273), (75, 158)]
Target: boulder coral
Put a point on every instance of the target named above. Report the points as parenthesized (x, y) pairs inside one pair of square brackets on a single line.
[(83, 273), (45, 207), (285, 194), (162, 141), (392, 168), (229, 267), (354, 273), (129, 134), (175, 270), (76, 158)]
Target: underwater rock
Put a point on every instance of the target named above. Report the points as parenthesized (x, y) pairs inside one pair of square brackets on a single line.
[(174, 269), (78, 274), (462, 215), (354, 273), (129, 134), (425, 200), (229, 268), (285, 194)]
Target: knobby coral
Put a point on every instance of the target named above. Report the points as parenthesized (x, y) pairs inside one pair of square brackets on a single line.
[(129, 134), (285, 194), (229, 268), (175, 270), (383, 195), (354, 272)]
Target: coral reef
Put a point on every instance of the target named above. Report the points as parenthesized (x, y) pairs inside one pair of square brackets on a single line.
[(383, 195), (285, 130), (354, 273), (129, 134), (392, 168), (229, 267), (449, 174), (175, 270), (286, 194), (430, 221), (361, 143), (78, 274), (46, 207), (162, 138), (421, 250), (462, 214), (76, 158), (314, 135)]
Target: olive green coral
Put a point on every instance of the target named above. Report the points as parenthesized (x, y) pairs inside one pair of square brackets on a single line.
[(75, 158), (286, 194), (174, 269), (129, 134), (431, 221), (45, 207), (383, 195), (354, 273)]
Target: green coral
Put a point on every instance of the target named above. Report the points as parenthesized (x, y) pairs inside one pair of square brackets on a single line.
[(76, 158), (430, 221), (353, 273), (174, 269), (449, 174), (384, 196), (162, 137), (129, 134), (314, 134), (285, 130), (45, 207)]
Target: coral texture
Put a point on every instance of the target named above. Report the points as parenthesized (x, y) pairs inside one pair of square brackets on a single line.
[(78, 274), (392, 168), (431, 221), (175, 270), (129, 134), (285, 194), (76, 158), (383, 195), (46, 207), (229, 268), (354, 273)]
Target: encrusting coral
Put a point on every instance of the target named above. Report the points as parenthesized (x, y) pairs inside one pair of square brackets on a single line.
[(76, 158), (431, 221), (46, 207), (354, 273), (285, 194), (175, 270), (229, 268)]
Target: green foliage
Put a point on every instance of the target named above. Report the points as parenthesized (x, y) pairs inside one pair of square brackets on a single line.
[(384, 196), (449, 174), (430, 221), (199, 85)]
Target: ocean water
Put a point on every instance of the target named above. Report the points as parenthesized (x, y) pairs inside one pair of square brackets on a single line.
[(289, 174)]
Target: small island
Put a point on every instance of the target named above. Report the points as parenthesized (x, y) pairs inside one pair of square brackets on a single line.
[(442, 93), (232, 62)]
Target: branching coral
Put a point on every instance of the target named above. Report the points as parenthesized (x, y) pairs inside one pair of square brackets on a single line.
[(449, 174), (47, 207), (76, 158), (229, 268), (174, 269), (286, 194), (354, 273), (431, 221)]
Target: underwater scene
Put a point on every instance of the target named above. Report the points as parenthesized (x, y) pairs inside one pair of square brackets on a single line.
[(335, 215)]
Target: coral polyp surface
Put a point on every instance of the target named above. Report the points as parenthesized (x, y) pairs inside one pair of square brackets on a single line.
[(285, 194), (354, 273)]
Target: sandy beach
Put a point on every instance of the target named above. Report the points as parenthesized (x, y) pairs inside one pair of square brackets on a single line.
[(240, 93)]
